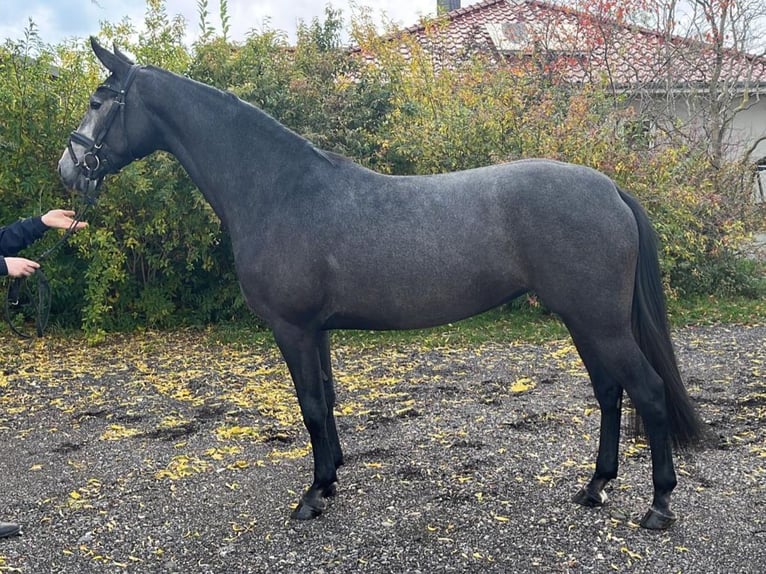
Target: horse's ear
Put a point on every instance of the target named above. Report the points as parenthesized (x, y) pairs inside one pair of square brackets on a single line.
[(112, 63), (122, 56)]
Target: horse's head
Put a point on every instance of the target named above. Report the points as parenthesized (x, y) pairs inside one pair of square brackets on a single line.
[(102, 142)]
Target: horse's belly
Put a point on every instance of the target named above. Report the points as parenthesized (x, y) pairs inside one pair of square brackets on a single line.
[(420, 301)]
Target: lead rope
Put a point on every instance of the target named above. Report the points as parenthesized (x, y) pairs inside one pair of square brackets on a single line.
[(42, 304), (19, 289)]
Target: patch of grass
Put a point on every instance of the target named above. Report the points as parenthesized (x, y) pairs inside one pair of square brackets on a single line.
[(711, 310), (499, 326), (250, 332), (508, 324)]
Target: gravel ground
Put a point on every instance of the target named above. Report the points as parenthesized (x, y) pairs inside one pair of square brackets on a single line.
[(177, 453)]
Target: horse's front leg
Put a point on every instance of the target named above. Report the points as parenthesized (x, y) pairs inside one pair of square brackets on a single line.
[(329, 395), (301, 350)]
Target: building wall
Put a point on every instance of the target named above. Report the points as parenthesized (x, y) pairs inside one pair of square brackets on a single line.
[(686, 114), (746, 136), (750, 126)]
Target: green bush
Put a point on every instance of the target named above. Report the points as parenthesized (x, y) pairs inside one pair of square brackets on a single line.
[(155, 254)]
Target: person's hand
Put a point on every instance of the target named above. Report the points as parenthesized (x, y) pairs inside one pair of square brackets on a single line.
[(20, 267), (62, 219)]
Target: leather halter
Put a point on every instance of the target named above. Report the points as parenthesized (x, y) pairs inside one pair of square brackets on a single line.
[(95, 163)]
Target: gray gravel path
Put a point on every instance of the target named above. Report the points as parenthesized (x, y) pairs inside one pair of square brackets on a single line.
[(177, 454)]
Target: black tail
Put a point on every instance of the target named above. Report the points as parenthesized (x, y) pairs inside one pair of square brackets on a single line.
[(650, 327)]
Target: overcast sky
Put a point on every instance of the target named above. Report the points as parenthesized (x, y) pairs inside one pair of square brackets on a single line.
[(57, 20)]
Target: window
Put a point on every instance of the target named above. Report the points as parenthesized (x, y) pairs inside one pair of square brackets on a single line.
[(760, 181), (639, 133)]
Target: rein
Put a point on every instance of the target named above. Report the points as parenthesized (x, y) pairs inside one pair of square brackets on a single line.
[(42, 305), (19, 290)]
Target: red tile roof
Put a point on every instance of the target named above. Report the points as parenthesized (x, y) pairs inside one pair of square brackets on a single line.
[(581, 47)]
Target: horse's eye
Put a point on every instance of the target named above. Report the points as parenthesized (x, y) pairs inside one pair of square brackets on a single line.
[(95, 104)]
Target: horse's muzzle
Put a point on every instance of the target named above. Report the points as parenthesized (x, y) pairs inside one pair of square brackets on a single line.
[(73, 177)]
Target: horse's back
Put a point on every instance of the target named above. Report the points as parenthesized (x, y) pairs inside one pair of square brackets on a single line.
[(536, 215)]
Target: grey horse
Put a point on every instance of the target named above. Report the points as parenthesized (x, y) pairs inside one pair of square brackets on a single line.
[(322, 243)]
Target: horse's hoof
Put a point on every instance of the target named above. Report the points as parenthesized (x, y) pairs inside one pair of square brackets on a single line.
[(586, 498), (308, 509), (331, 490), (656, 520)]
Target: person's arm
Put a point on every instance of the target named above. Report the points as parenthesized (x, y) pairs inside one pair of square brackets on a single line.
[(21, 234)]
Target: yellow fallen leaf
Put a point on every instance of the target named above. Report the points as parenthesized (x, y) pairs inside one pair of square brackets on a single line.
[(522, 385)]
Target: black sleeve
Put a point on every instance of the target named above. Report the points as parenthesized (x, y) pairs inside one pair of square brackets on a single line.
[(20, 234)]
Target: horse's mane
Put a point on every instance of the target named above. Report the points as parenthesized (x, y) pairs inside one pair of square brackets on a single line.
[(233, 99)]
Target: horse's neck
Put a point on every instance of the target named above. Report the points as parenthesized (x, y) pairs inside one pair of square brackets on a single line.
[(230, 150)]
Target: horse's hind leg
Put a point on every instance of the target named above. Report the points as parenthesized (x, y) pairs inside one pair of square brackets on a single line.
[(609, 396), (618, 358)]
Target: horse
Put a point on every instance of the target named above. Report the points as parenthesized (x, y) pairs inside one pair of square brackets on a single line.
[(322, 243)]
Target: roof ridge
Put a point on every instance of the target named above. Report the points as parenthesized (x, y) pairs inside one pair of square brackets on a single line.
[(542, 4), (452, 14)]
